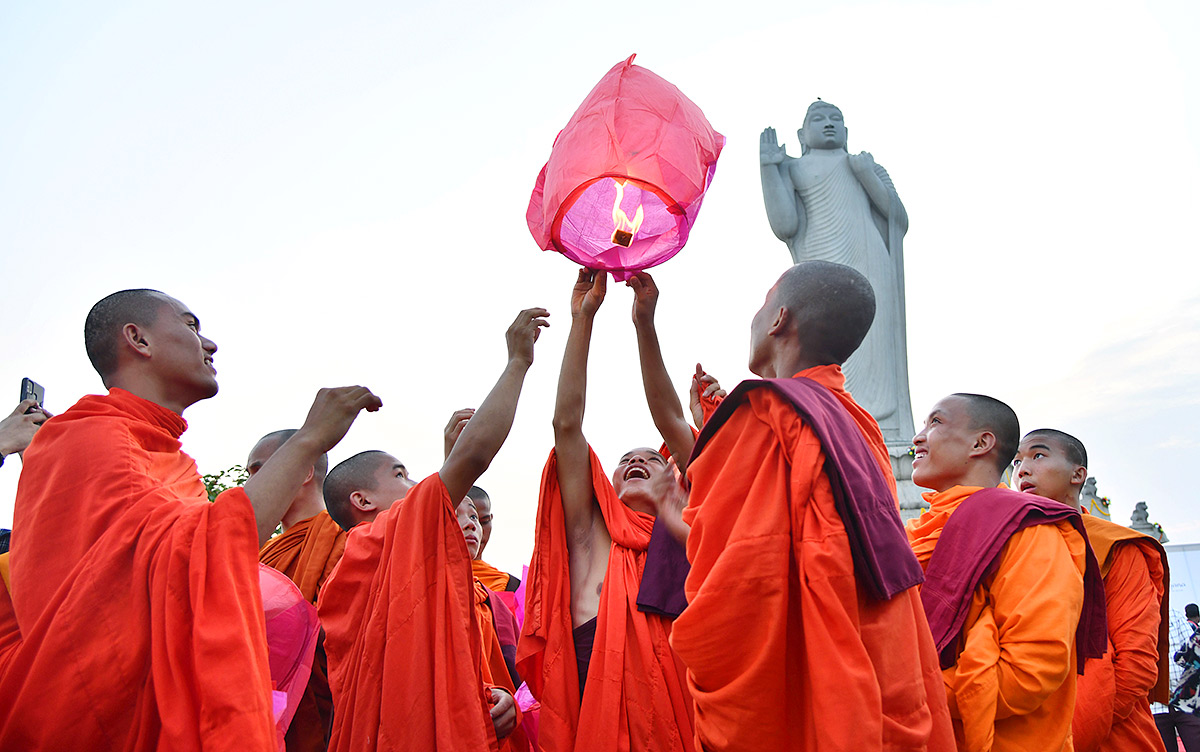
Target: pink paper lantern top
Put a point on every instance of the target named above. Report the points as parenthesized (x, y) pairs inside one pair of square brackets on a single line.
[(637, 148)]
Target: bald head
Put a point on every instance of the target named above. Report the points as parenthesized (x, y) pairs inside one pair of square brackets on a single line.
[(1071, 447), (992, 415), (818, 313), (269, 444), (102, 328), (368, 483), (347, 477)]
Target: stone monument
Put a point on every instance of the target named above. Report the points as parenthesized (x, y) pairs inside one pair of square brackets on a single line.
[(1140, 521), (1094, 503), (831, 205)]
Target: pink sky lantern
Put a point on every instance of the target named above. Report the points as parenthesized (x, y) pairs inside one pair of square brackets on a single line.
[(626, 177)]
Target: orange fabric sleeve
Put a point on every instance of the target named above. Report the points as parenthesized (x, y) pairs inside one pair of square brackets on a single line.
[(775, 613), (401, 633), (1132, 626), (1018, 657), (492, 578)]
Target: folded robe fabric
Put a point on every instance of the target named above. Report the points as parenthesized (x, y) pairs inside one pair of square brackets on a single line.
[(307, 552), (637, 130), (635, 698), (786, 648), (497, 632), (1112, 706), (967, 552), (141, 621), (401, 633), (493, 579)]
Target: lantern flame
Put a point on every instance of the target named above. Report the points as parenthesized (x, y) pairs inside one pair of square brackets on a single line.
[(623, 228)]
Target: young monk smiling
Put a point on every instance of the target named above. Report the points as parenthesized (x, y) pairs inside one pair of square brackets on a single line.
[(1012, 590), (1112, 707), (594, 647)]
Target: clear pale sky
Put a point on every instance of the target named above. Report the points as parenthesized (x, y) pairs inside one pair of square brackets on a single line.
[(339, 192)]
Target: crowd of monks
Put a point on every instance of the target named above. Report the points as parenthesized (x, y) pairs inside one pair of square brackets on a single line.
[(742, 582)]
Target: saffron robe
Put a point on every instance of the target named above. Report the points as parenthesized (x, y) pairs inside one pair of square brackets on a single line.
[(636, 696), (140, 616), (401, 633), (786, 649), (307, 553), (493, 579), (1013, 685), (1112, 708), (497, 626)]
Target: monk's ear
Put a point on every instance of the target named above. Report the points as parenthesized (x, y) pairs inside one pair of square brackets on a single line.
[(1078, 475), (134, 338), (984, 443), (359, 501), (782, 317), (308, 479)]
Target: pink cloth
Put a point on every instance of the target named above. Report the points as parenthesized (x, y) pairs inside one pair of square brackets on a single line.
[(637, 131), (292, 628)]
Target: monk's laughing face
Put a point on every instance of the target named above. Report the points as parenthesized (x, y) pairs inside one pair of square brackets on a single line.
[(942, 449), (1042, 467), (635, 475), (468, 520)]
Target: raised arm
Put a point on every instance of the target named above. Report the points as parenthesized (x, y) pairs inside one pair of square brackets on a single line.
[(272, 488), (488, 427), (665, 408), (778, 193), (574, 466)]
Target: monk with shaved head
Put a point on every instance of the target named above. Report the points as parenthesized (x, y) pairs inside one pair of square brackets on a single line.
[(604, 584), (136, 619), (804, 629), (1112, 706), (402, 628), (1012, 589), (307, 550)]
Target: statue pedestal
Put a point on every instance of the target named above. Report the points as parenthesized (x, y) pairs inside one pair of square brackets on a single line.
[(911, 503)]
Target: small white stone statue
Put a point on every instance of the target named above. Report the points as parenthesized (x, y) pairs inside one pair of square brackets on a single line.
[(835, 206), (1140, 521)]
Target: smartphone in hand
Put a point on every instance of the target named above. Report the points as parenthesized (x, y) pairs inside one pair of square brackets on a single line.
[(30, 389)]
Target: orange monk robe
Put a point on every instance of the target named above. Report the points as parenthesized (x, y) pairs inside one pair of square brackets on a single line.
[(785, 649), (401, 633), (494, 669), (1013, 685), (493, 579), (1112, 710), (140, 616), (636, 695), (307, 553)]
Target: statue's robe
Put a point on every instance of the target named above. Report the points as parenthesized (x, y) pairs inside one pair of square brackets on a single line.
[(1112, 710), (307, 553), (401, 633), (804, 629), (136, 619), (841, 226), (635, 696), (1015, 602)]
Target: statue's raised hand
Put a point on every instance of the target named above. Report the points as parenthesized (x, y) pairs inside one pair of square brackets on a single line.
[(769, 150), (862, 163)]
